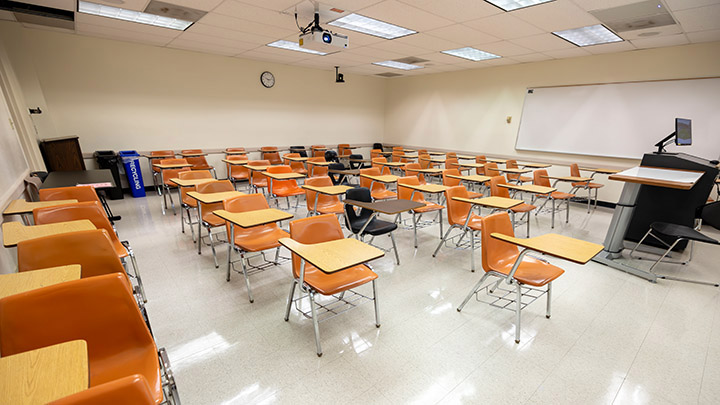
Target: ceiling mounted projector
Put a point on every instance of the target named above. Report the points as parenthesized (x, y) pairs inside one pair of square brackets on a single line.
[(318, 39)]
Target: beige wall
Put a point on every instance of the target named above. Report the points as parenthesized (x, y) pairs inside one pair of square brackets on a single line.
[(467, 110)]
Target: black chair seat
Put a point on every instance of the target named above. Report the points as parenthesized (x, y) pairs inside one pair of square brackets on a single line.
[(681, 231), (374, 228)]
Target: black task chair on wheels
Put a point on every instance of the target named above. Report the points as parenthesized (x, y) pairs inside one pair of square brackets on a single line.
[(367, 223), (663, 232)]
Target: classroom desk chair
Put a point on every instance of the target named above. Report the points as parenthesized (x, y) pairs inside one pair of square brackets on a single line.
[(155, 170), (451, 155), (317, 278), (297, 167), (210, 220), (254, 239), (325, 204), (317, 170), (133, 389), (166, 175), (480, 170), (374, 153), (237, 173), (92, 211), (460, 217), (515, 177), (366, 222), (451, 163), (410, 170), (318, 150), (344, 150), (186, 202), (271, 154), (589, 186), (491, 169), (258, 180), (198, 162), (405, 193), (539, 179), (525, 209), (398, 156), (285, 188), (102, 312), (378, 163), (452, 182), (379, 191), (79, 193)]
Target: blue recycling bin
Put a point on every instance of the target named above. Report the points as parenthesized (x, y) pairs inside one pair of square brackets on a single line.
[(131, 161)]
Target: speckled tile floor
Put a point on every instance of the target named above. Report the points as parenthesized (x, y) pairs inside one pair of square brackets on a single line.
[(613, 337)]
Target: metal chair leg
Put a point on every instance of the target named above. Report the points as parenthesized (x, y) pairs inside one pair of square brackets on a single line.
[(549, 300), (137, 274), (247, 280), (518, 308), (377, 305), (442, 240), (290, 300), (397, 257), (567, 210), (313, 311), (473, 291), (414, 228), (472, 251), (552, 225), (212, 246)]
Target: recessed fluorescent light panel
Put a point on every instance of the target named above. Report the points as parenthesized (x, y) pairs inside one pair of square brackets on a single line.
[(133, 16), (371, 26), (293, 46), (592, 35), (398, 65), (471, 54), (510, 5)]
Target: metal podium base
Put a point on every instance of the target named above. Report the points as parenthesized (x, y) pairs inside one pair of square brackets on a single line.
[(609, 259)]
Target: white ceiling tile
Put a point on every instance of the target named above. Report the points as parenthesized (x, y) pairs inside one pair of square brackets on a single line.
[(449, 68), (603, 4), (567, 53), (442, 58), (7, 15), (227, 34), (501, 62), (295, 55), (504, 26), (686, 4), (704, 36), (125, 25), (47, 28), (610, 48), (533, 57), (366, 69), (256, 14), (556, 16), (267, 57), (205, 48), (397, 47), (204, 5), (317, 64), (377, 54), (278, 5), (61, 4), (401, 14), (462, 34), (657, 42), (456, 10), (699, 19), (351, 5), (543, 42), (214, 40), (504, 48), (137, 5), (237, 24), (121, 35), (428, 42)]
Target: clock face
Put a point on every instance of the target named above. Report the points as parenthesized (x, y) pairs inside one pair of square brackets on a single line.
[(267, 79)]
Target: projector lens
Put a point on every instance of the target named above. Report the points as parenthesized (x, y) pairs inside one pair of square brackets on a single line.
[(327, 38)]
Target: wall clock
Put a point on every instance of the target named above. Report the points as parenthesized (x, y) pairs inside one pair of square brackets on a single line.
[(267, 79)]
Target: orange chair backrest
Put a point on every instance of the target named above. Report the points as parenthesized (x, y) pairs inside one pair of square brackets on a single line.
[(344, 149), (92, 250), (100, 310), (191, 151), (422, 152), (457, 211), (318, 150), (452, 163), (411, 170), (80, 193), (293, 165), (133, 389), (496, 253), (574, 170), (480, 159), (191, 175), (404, 193), (235, 150), (91, 210), (279, 185), (451, 155), (538, 178), (268, 149), (375, 153), (376, 162), (400, 148), (273, 157), (449, 181), (365, 182), (316, 170), (257, 175), (424, 160), (322, 199), (173, 161), (512, 164), (161, 152), (217, 186), (496, 190), (197, 161), (172, 173), (238, 169), (244, 203), (317, 229), (491, 169)]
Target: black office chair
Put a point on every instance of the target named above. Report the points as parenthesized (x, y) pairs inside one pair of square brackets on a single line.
[(356, 165), (709, 213), (298, 149), (377, 146), (367, 223), (331, 156), (337, 178)]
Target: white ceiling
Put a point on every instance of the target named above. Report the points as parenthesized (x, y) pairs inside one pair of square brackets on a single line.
[(242, 28)]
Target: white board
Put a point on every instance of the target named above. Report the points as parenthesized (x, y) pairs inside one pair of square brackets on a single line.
[(13, 166), (622, 119)]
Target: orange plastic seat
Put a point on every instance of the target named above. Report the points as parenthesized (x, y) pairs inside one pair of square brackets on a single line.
[(79, 193), (517, 178), (254, 239), (377, 162), (100, 310), (166, 175), (284, 188), (317, 170), (187, 202), (410, 169), (480, 159), (236, 150), (318, 150), (258, 180), (344, 150), (497, 191), (378, 191), (325, 204), (161, 154), (491, 169), (317, 229), (210, 220), (540, 180), (452, 163), (375, 153), (405, 193), (589, 186), (450, 155), (500, 258), (452, 182), (460, 217), (296, 167), (238, 172), (397, 156), (133, 389), (93, 211)]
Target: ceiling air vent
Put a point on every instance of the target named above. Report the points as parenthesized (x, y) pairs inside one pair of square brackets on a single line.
[(411, 60), (40, 15), (174, 11), (388, 74), (633, 21)]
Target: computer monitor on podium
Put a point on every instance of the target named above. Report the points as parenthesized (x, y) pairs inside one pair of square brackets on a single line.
[(683, 132)]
